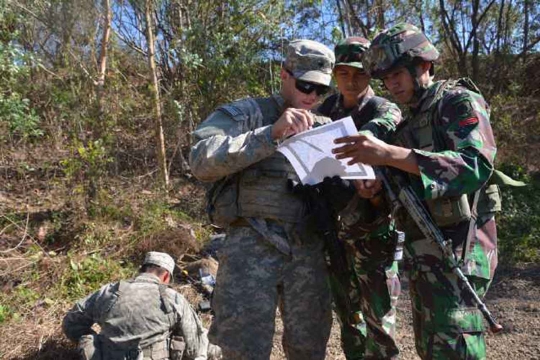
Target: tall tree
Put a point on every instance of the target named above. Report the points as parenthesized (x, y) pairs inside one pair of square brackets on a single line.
[(158, 124), (102, 62)]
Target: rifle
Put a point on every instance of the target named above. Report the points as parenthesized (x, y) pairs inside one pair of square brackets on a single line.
[(408, 199), (324, 221)]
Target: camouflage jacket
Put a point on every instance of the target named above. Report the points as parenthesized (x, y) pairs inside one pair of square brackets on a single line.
[(450, 134), (460, 159), (360, 219), (382, 122), (234, 137), (137, 316)]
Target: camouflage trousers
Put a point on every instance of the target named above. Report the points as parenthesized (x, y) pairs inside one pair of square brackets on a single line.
[(253, 279), (368, 326), (447, 324)]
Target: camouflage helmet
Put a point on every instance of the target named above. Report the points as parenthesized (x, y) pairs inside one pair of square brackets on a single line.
[(398, 45), (350, 50)]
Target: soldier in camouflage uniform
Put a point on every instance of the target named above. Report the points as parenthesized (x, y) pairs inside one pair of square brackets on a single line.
[(139, 319), (368, 324), (447, 148), (270, 257)]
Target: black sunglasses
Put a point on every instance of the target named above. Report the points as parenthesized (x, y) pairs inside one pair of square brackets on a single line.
[(307, 87)]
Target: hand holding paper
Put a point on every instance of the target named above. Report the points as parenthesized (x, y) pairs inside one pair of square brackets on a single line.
[(310, 153), (361, 148)]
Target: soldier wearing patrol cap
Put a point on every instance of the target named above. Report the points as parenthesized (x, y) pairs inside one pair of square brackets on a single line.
[(366, 303), (446, 149), (140, 319), (272, 257)]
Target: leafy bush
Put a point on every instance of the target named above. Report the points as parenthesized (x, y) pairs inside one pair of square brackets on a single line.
[(519, 222), (89, 274), (22, 120), (15, 109)]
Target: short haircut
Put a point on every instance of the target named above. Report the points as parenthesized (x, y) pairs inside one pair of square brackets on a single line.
[(152, 268)]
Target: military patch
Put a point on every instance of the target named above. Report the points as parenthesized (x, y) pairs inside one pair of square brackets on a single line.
[(231, 110), (467, 122), (465, 127), (463, 109)]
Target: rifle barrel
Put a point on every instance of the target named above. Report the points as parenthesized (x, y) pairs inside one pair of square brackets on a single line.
[(416, 209)]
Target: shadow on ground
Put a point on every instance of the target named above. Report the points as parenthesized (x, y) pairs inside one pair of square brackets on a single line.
[(52, 350)]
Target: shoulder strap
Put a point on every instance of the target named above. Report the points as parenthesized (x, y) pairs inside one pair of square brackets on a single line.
[(164, 299), (122, 286), (468, 84)]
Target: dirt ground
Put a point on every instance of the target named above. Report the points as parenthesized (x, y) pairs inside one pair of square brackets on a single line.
[(514, 299)]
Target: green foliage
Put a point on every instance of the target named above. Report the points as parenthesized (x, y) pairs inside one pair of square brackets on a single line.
[(155, 216), (5, 313), (519, 222), (22, 120), (15, 109), (25, 295), (516, 123), (89, 274), (90, 159)]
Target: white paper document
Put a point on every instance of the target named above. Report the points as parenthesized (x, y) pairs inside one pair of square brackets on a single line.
[(310, 153)]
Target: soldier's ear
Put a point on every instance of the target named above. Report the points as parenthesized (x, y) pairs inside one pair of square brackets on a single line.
[(424, 66), (166, 277), (284, 74)]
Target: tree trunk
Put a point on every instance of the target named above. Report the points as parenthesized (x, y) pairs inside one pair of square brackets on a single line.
[(380, 14), (341, 19), (160, 138), (476, 43), (102, 66), (525, 30)]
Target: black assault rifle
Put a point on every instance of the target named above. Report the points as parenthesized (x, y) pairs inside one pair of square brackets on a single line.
[(408, 199), (323, 219)]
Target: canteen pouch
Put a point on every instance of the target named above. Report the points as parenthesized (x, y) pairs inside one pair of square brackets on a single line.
[(177, 348), (89, 347)]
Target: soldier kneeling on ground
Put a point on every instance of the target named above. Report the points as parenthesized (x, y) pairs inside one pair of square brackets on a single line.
[(140, 319)]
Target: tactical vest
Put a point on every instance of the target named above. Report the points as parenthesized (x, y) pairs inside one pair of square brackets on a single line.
[(419, 133), (262, 190), (159, 350)]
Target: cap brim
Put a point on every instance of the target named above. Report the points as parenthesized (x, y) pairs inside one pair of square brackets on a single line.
[(316, 77), (357, 65)]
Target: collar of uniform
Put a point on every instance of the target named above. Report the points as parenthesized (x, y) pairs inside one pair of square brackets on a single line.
[(368, 95), (148, 277), (280, 102), (360, 101), (426, 96)]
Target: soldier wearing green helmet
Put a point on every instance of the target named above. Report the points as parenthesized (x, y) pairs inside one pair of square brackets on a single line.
[(447, 149), (365, 303)]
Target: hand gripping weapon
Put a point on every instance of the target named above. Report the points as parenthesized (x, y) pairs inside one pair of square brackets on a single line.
[(408, 199)]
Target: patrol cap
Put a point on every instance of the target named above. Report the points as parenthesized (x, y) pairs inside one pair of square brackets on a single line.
[(161, 259), (350, 50), (310, 61)]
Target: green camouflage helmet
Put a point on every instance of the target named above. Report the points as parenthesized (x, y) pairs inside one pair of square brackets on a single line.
[(398, 45), (349, 51)]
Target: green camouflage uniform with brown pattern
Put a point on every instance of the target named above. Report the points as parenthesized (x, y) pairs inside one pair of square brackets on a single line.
[(451, 136), (368, 326), (269, 259)]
